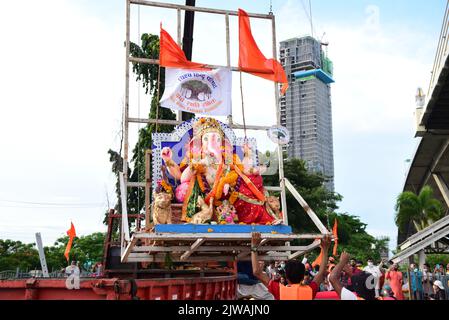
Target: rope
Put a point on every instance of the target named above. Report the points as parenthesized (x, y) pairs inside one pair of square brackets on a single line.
[(157, 97), (139, 154), (243, 108)]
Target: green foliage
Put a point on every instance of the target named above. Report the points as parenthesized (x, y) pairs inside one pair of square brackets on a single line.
[(422, 210), (351, 231), (311, 188), (84, 249), (434, 259), (15, 254), (149, 75)]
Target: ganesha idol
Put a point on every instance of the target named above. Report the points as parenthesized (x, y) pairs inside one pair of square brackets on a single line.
[(211, 170)]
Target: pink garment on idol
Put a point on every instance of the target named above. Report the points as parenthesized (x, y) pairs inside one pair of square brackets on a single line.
[(181, 191)]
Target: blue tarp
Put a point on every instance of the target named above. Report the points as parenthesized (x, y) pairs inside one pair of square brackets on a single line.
[(320, 74)]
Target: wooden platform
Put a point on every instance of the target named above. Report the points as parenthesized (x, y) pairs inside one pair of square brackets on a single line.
[(227, 228), (214, 243)]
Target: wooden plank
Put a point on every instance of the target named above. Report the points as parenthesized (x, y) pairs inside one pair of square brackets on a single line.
[(128, 250), (131, 184), (243, 254), (199, 9), (216, 248), (306, 207), (228, 42), (147, 188), (309, 248), (153, 121), (177, 258), (210, 66), (125, 226), (192, 249), (273, 188), (176, 122), (248, 252)]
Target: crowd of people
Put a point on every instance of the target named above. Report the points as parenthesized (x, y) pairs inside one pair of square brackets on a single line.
[(76, 269), (345, 279)]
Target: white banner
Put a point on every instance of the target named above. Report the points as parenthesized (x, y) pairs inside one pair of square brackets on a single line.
[(200, 92)]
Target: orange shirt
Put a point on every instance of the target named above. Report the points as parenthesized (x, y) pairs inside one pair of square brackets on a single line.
[(275, 289)]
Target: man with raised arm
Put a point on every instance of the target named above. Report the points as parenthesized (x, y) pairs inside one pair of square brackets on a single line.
[(294, 274), (362, 283)]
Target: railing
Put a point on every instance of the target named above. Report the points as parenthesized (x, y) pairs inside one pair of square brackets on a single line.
[(442, 52), (14, 274)]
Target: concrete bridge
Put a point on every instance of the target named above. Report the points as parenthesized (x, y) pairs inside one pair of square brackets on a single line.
[(430, 164)]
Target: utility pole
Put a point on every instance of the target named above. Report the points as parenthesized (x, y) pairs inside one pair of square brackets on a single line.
[(187, 44)]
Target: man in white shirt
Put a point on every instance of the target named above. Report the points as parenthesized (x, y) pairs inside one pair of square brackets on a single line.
[(375, 271), (271, 270), (72, 269)]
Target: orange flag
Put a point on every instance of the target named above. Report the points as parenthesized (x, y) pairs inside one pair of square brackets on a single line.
[(334, 232), (171, 55), (72, 234), (252, 60), (318, 260)]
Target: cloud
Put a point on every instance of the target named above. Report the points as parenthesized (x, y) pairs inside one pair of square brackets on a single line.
[(377, 68), (62, 80)]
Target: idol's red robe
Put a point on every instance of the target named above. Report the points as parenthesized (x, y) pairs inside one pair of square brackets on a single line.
[(252, 210)]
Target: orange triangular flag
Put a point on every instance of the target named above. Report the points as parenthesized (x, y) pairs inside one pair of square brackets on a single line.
[(252, 60), (171, 55), (334, 232), (72, 234), (317, 260)]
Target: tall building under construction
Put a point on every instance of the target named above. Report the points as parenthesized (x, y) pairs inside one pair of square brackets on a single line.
[(306, 109)]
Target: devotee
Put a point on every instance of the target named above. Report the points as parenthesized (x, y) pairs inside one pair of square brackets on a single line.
[(294, 274), (359, 281), (395, 278)]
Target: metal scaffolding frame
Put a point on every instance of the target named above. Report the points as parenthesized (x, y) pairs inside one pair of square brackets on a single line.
[(127, 243)]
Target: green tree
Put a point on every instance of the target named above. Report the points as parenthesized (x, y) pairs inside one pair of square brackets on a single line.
[(85, 249), (352, 233), (312, 189), (15, 254), (434, 259), (421, 210), (148, 74)]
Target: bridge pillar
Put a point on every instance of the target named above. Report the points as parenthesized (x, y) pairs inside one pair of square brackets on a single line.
[(421, 258), (442, 186)]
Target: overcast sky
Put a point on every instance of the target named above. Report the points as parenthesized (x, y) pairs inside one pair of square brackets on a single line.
[(62, 87)]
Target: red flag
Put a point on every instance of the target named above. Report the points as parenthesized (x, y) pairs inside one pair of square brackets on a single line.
[(72, 234), (334, 232), (171, 55), (252, 60)]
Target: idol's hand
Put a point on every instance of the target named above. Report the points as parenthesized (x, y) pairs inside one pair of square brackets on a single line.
[(166, 154)]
